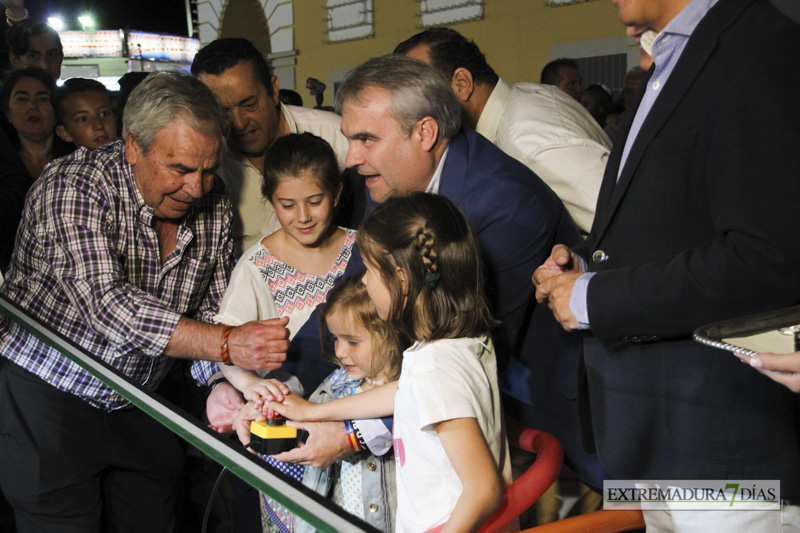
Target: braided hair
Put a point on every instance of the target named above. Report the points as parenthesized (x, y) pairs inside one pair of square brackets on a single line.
[(428, 258)]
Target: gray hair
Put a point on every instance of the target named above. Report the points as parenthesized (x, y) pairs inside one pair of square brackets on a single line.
[(166, 96), (417, 91)]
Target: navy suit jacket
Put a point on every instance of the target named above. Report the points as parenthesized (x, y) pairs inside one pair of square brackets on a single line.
[(703, 225), (516, 218)]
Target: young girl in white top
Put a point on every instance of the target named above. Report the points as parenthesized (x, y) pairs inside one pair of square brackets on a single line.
[(424, 276)]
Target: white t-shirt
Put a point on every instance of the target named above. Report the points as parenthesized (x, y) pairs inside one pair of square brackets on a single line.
[(442, 380)]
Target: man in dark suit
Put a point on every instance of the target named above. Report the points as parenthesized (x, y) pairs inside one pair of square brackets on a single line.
[(403, 124), (404, 128), (697, 221)]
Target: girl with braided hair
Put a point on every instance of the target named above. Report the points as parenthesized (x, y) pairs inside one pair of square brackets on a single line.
[(451, 453)]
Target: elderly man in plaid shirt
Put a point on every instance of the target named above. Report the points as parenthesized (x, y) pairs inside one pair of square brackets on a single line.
[(126, 250)]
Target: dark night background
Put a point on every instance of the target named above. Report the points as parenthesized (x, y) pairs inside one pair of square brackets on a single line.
[(161, 16)]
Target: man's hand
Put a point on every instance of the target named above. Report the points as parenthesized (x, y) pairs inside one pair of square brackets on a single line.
[(561, 260), (557, 291), (256, 345), (222, 406), (327, 443), (782, 368), (259, 345), (554, 281), (251, 411)]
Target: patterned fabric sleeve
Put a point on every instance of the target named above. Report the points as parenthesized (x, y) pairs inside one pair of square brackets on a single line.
[(222, 273), (91, 269), (78, 233)]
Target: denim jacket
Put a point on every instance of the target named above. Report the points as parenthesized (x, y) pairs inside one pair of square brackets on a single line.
[(377, 473)]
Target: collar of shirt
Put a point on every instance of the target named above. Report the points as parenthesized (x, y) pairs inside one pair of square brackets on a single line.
[(685, 22), (667, 50), (130, 180), (493, 110), (436, 180), (669, 44), (289, 118), (228, 153)]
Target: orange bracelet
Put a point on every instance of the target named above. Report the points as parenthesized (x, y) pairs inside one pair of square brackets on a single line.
[(223, 346)]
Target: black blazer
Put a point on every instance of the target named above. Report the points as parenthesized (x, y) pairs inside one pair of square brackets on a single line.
[(703, 225)]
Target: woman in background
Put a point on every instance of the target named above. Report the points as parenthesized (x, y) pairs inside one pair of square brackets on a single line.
[(28, 123)]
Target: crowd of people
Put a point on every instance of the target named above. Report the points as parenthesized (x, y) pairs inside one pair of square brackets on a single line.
[(399, 278)]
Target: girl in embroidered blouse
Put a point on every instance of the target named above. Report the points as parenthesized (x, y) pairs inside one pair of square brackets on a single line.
[(423, 274), (290, 272)]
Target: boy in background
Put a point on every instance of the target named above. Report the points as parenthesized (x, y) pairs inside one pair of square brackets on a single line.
[(84, 113)]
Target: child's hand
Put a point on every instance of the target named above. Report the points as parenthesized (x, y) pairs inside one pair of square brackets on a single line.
[(251, 411), (295, 407), (265, 390)]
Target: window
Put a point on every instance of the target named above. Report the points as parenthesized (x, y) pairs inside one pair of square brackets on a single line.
[(439, 12), (349, 19)]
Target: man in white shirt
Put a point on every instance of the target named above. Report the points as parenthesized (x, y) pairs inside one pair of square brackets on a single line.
[(243, 81), (539, 125)]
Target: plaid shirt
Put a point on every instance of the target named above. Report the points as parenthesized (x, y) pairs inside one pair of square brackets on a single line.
[(87, 262)]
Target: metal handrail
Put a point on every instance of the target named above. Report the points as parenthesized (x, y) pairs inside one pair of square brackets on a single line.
[(321, 513)]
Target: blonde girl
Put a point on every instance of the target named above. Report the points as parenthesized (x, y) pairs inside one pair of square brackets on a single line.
[(368, 353)]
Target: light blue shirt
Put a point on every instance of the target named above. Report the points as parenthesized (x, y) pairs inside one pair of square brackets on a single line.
[(667, 50)]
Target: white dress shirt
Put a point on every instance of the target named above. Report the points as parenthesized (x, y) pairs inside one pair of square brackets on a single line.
[(555, 137)]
